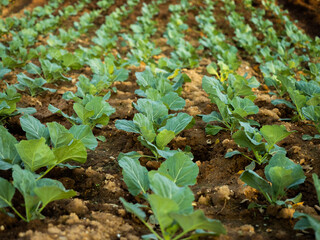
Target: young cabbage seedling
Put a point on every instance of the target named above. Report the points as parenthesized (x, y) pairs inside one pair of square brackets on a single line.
[(307, 221), (156, 126), (170, 199), (281, 174), (252, 139)]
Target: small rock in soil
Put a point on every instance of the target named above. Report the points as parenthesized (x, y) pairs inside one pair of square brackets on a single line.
[(286, 213), (72, 219), (111, 186), (222, 194), (204, 200), (246, 230), (153, 165), (77, 206)]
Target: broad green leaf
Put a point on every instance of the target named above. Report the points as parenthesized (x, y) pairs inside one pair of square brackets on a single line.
[(35, 154), (25, 182), (274, 133), (246, 140), (197, 220), (282, 101), (244, 107), (145, 125), (173, 101), (312, 113), (53, 109), (162, 207), (151, 93), (134, 175), (134, 155), (121, 75), (255, 181), (155, 111), (316, 183), (84, 133), (59, 135), (134, 208), (177, 123), (83, 113), (283, 173), (180, 169), (7, 191), (146, 78), (76, 151), (71, 60), (164, 187), (100, 108), (34, 128), (33, 69), (213, 129), (213, 116), (8, 151), (306, 222), (52, 193), (127, 126), (163, 138)]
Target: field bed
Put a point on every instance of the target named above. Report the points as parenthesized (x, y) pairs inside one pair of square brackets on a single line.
[(96, 211)]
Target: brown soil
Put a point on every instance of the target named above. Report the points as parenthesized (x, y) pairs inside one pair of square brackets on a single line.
[(96, 213), (307, 12)]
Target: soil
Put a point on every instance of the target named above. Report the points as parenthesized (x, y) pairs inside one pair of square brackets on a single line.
[(96, 212)]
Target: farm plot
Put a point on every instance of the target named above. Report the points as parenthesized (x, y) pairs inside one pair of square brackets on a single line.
[(159, 119)]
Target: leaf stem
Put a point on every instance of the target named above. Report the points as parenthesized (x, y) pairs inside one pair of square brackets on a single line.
[(48, 170)]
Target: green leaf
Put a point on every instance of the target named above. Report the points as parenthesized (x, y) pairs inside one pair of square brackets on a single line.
[(180, 169), (162, 207), (274, 133), (8, 152), (35, 154), (231, 154), (7, 191), (145, 125), (173, 101), (257, 182), (213, 116), (25, 182), (247, 139), (155, 111), (177, 123), (316, 183), (306, 222), (84, 133), (59, 135), (283, 174), (163, 138), (33, 128), (33, 69), (164, 187), (134, 208), (134, 175), (213, 129), (127, 126), (71, 60), (83, 113), (52, 193), (75, 151), (244, 106), (197, 220), (145, 78)]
